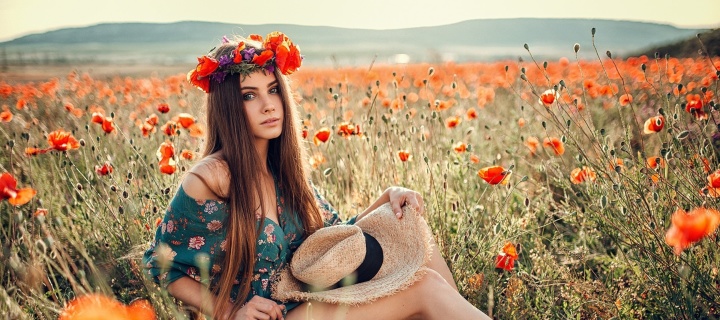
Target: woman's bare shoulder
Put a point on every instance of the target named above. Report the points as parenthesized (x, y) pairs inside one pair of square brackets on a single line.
[(209, 178)]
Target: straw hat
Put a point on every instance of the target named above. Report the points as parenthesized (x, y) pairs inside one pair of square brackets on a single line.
[(334, 255)]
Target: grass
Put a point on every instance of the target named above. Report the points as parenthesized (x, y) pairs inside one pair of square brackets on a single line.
[(595, 249)]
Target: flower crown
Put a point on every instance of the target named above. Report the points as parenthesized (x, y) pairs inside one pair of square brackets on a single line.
[(277, 52)]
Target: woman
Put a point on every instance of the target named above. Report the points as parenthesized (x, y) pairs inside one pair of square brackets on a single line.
[(247, 205)]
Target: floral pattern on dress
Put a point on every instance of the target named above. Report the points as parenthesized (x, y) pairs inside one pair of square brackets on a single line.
[(194, 228)]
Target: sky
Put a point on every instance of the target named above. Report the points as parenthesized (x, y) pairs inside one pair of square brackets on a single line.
[(22, 17)]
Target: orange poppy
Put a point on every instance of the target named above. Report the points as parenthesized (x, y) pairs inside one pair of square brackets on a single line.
[(6, 116), (548, 97), (321, 136), (187, 154), (262, 58), (452, 122), (163, 108), (714, 179), (165, 151), (626, 99), (61, 140), (460, 147), (404, 155), (654, 124), (185, 120), (494, 175), (581, 175), (98, 117), (196, 131), (9, 191), (532, 143), (347, 129), (34, 151), (474, 158), (169, 128), (201, 82), (152, 119), (40, 212), (690, 227), (105, 169), (471, 113), (167, 166), (107, 125), (556, 144), (506, 258), (206, 66), (655, 162), (521, 122), (98, 306), (237, 56)]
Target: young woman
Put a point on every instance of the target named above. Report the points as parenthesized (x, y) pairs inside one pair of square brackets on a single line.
[(242, 210)]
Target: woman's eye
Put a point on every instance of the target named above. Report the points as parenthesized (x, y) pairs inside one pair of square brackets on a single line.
[(274, 90), (248, 96)]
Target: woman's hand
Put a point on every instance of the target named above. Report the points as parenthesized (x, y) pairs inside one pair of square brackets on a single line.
[(260, 308), (400, 197)]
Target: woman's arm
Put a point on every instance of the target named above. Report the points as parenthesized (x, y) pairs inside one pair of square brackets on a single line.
[(193, 293), (398, 197)]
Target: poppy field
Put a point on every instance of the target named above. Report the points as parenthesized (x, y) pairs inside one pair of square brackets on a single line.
[(555, 189)]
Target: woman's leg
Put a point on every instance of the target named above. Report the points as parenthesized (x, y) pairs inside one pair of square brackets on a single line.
[(438, 264), (429, 298)]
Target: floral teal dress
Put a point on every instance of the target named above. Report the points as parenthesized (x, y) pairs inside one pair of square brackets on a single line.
[(191, 238)]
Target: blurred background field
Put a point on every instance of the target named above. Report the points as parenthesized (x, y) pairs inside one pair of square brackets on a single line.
[(585, 193)]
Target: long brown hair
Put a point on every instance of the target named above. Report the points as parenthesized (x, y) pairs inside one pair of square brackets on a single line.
[(228, 130)]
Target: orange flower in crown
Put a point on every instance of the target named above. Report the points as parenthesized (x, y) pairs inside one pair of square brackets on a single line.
[(277, 51)]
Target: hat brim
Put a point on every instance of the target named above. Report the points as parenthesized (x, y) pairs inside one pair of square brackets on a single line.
[(406, 247)]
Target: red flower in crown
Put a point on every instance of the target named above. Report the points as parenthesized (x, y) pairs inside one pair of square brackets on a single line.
[(206, 66), (263, 58)]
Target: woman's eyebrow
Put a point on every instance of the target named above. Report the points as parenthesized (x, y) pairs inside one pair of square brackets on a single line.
[(255, 88)]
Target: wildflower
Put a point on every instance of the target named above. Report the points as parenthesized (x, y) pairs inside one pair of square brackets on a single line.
[(690, 227), (316, 160), (557, 145), (655, 162), (98, 306), (452, 122), (163, 108), (494, 175), (506, 258), (107, 125), (404, 155), (460, 147), (548, 97), (654, 124), (166, 150), (167, 166), (105, 169), (187, 154), (471, 114), (169, 128), (581, 175), (476, 281), (34, 151), (6, 116), (97, 117), (8, 191), (532, 143), (185, 120), (694, 106), (347, 129), (321, 136), (521, 122), (474, 158), (40, 212), (626, 99), (61, 140)]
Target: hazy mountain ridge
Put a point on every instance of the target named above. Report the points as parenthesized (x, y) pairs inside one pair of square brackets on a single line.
[(473, 40)]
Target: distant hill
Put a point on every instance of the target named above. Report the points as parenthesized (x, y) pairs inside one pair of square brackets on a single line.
[(474, 40), (689, 47)]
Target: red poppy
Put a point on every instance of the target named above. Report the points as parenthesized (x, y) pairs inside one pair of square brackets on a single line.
[(694, 103), (105, 169), (187, 154), (185, 120), (690, 227), (532, 143), (471, 113), (9, 191), (494, 175), (261, 59), (548, 97), (256, 37), (304, 133), (167, 166), (152, 119), (98, 117), (460, 147), (654, 124), (404, 155), (556, 144), (626, 99), (201, 82), (206, 66), (169, 128), (6, 116), (321, 136), (347, 129), (61, 140), (655, 162), (166, 150), (581, 175), (452, 122), (107, 125), (163, 108), (275, 39), (506, 258), (34, 151)]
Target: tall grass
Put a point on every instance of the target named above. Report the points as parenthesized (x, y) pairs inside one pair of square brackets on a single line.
[(594, 249)]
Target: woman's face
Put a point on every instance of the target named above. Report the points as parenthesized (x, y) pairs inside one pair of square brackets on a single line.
[(263, 104)]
